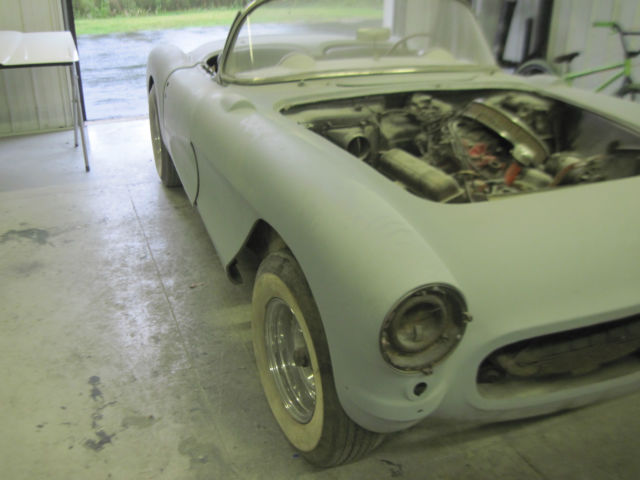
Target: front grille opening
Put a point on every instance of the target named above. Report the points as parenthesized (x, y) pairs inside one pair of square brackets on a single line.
[(563, 360)]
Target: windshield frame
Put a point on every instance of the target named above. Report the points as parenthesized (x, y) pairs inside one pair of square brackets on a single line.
[(225, 78)]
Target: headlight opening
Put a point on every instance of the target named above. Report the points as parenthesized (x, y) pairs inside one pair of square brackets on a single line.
[(424, 327)]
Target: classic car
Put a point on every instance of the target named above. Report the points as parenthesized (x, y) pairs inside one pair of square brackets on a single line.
[(436, 237)]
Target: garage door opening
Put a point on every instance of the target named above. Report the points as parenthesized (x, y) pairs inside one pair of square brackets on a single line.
[(115, 37)]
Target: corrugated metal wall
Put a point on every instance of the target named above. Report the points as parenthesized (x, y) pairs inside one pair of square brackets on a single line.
[(34, 99), (572, 30)]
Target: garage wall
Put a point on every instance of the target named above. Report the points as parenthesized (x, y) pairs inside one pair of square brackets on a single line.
[(488, 13), (36, 99), (571, 30)]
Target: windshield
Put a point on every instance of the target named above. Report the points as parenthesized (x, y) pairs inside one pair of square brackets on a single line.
[(299, 39)]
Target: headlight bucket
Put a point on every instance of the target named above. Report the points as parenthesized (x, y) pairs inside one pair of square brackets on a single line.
[(424, 327)]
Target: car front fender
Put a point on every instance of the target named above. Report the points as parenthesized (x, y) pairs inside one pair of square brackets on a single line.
[(358, 253)]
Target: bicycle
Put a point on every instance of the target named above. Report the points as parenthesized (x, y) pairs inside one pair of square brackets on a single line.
[(629, 86)]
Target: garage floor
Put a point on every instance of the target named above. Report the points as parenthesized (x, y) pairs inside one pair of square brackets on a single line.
[(125, 353)]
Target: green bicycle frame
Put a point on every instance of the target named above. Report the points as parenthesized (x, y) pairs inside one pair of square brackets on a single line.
[(625, 67), (625, 71)]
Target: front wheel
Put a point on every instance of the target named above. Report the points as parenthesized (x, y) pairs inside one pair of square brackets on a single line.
[(293, 361)]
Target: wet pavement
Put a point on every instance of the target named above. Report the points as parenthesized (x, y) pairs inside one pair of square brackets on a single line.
[(113, 67)]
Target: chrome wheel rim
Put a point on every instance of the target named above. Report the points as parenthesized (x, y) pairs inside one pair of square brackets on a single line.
[(289, 361)]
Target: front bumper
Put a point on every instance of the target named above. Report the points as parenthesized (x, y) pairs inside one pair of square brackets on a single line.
[(397, 401)]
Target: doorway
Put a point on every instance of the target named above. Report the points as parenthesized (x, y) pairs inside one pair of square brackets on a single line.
[(115, 38)]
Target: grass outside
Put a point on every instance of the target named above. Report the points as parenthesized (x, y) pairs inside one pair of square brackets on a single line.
[(212, 17), (161, 21)]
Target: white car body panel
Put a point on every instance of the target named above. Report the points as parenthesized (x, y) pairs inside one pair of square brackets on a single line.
[(528, 266)]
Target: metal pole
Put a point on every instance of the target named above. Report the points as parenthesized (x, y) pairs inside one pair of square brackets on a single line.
[(80, 123)]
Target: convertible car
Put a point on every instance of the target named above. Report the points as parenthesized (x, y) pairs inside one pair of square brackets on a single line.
[(436, 237)]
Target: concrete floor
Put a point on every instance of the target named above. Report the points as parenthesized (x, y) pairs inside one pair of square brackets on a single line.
[(126, 354)]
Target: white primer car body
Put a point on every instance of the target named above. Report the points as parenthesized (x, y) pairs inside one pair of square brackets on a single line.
[(396, 158)]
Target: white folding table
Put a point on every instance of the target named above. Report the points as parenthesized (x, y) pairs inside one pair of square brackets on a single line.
[(46, 49)]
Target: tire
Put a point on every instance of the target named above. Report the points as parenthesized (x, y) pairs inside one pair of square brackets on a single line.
[(164, 164), (312, 418), (628, 90), (536, 66)]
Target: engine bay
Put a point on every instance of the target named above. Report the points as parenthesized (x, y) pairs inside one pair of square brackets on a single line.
[(473, 146)]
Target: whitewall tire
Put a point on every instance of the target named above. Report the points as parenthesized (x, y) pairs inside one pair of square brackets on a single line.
[(293, 361)]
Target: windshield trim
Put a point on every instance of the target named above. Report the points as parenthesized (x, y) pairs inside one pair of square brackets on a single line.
[(232, 36), (362, 73)]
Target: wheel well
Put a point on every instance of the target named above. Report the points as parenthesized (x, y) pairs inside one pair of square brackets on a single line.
[(263, 240)]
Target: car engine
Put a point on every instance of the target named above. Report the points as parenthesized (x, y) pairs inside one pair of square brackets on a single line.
[(475, 146)]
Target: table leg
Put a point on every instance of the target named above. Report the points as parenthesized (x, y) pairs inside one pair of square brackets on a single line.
[(78, 119)]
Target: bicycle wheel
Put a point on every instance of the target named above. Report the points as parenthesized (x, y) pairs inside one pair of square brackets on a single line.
[(628, 90), (536, 66)]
